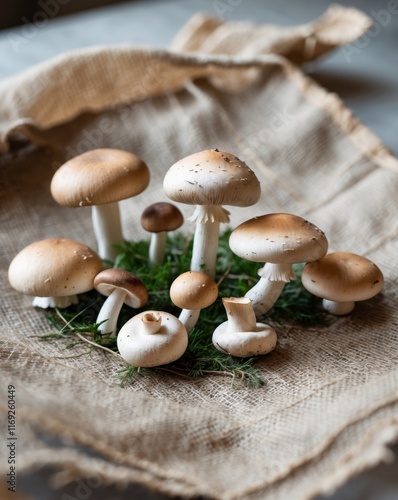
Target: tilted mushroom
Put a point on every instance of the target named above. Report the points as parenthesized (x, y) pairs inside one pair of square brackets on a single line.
[(152, 338), (241, 335), (157, 219), (54, 270), (279, 240), (192, 291), (341, 279), (100, 179), (210, 179), (121, 287)]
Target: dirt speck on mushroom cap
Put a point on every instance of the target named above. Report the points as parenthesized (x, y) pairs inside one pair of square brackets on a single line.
[(212, 177), (55, 267), (278, 238), (343, 277)]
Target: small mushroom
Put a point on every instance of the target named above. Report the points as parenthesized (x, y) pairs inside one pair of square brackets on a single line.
[(192, 291), (54, 270), (152, 338), (100, 179), (157, 219), (341, 279), (241, 335), (210, 179), (279, 240), (121, 287)]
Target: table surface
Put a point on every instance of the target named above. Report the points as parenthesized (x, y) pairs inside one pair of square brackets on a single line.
[(365, 77)]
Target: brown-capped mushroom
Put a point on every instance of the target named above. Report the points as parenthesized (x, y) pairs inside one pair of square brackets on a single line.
[(279, 240), (210, 179), (55, 271), (100, 179), (121, 287), (157, 219), (241, 335), (192, 291), (152, 338), (341, 279)]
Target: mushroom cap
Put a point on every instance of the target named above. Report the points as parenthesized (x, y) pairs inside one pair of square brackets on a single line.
[(193, 290), (261, 340), (99, 177), (162, 216), (212, 177), (139, 348), (110, 279), (54, 267), (343, 277), (278, 238)]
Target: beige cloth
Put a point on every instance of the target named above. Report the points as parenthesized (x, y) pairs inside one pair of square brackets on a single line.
[(330, 401)]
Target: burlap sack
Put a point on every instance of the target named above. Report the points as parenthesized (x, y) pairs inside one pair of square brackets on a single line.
[(329, 404)]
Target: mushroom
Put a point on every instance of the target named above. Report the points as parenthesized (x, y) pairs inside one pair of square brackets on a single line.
[(54, 270), (100, 179), (280, 240), (121, 287), (210, 179), (241, 335), (341, 279), (192, 291), (152, 338), (157, 219)]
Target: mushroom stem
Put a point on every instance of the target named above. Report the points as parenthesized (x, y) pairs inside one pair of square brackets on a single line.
[(60, 302), (338, 308), (110, 310), (240, 314), (267, 290), (107, 229), (151, 323), (189, 318), (156, 248), (205, 243), (205, 246)]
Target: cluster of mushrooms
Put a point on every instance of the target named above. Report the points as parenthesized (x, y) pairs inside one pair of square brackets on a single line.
[(56, 270)]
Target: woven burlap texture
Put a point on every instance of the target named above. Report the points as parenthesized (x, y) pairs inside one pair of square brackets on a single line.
[(329, 403)]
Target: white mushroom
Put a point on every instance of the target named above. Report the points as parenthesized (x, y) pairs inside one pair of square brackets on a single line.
[(279, 240), (121, 287), (152, 338), (192, 291), (157, 219), (54, 270), (210, 179), (100, 179), (241, 335), (341, 279)]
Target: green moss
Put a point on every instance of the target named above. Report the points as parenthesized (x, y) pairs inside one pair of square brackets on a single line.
[(234, 276)]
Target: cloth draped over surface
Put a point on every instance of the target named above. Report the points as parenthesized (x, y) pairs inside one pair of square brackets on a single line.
[(329, 404)]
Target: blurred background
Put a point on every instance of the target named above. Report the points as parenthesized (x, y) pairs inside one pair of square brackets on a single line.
[(19, 12)]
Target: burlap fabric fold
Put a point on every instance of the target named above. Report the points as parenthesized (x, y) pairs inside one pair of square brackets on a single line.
[(330, 401)]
